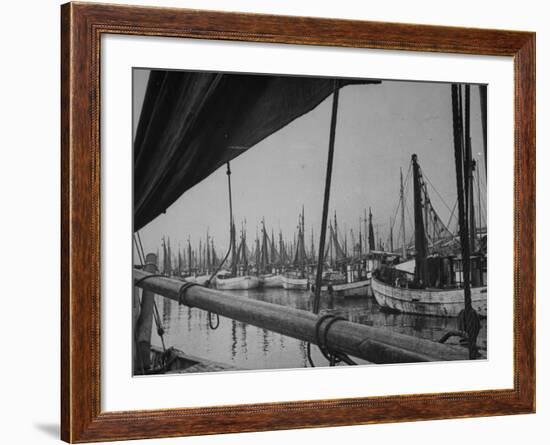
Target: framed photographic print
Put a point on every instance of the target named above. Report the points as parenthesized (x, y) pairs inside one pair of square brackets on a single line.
[(278, 222)]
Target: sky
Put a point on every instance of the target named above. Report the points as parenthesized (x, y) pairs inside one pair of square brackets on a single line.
[(378, 128)]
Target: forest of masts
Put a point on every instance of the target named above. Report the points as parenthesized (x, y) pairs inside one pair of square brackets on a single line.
[(271, 250)]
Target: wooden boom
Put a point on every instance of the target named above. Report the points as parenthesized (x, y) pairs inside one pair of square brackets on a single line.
[(374, 344)]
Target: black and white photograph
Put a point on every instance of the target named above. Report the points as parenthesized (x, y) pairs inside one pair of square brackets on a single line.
[(285, 221)]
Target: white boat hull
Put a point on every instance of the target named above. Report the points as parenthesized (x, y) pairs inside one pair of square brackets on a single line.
[(443, 303), (202, 279), (238, 283), (271, 281), (355, 289), (294, 283)]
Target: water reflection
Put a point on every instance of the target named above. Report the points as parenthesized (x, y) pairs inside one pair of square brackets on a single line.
[(249, 347)]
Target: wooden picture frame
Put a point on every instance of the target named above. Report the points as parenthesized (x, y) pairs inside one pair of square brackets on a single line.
[(82, 26)]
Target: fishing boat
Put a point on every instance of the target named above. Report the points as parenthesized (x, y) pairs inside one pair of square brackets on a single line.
[(296, 277), (433, 283), (226, 281), (294, 280), (272, 280), (348, 275), (239, 277), (268, 261)]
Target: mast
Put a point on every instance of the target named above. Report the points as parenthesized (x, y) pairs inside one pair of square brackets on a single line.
[(365, 232), (208, 261), (328, 179), (391, 236), (233, 249), (312, 245), (257, 251), (273, 258), (264, 255), (478, 201), (462, 220), (360, 239), (402, 197), (372, 243), (189, 255), (483, 106), (469, 166), (420, 234), (244, 249)]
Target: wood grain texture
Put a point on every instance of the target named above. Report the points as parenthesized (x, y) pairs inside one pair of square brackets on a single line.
[(82, 26)]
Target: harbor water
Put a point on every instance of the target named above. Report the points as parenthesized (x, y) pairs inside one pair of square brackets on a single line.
[(249, 347)]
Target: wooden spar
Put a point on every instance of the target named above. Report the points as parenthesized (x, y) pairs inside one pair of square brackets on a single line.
[(376, 345), (144, 324), (480, 223), (391, 236), (328, 179), (468, 170), (402, 196), (463, 222), (135, 318), (483, 106), (419, 233)]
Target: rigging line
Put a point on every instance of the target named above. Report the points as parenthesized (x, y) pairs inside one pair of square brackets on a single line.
[(141, 259), (435, 190), (399, 200), (451, 215), (141, 246)]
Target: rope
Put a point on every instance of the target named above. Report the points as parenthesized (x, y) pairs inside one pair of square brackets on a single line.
[(468, 321), (322, 327), (182, 293), (139, 282), (158, 322), (228, 173)]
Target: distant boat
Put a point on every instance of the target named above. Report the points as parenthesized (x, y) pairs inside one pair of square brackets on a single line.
[(242, 280), (348, 276), (294, 280), (271, 280), (226, 281), (335, 284), (268, 261)]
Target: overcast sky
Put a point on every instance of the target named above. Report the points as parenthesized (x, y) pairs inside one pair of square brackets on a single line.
[(379, 128)]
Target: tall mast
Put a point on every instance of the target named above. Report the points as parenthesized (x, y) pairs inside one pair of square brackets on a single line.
[(360, 238), (233, 249), (312, 245), (420, 234), (402, 198), (273, 260), (483, 105), (478, 202), (243, 247), (469, 189), (372, 243), (365, 233), (189, 255), (462, 219), (391, 236)]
